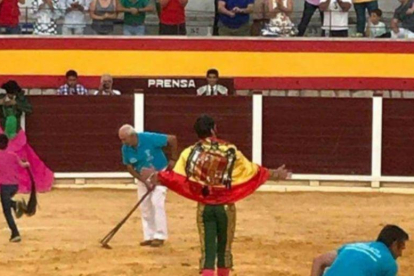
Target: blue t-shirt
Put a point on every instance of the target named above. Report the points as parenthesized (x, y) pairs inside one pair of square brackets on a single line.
[(148, 153), (240, 18), (363, 259)]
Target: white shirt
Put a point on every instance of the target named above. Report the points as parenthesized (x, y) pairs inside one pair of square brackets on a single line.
[(76, 18), (115, 92), (207, 90), (335, 19), (377, 30)]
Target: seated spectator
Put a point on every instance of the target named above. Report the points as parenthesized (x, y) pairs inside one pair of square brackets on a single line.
[(375, 28), (9, 16), (234, 17), (134, 15), (172, 17), (361, 6), (212, 88), (280, 24), (72, 87), (260, 16), (46, 13), (403, 15), (74, 22), (336, 17), (103, 14), (105, 88), (310, 7)]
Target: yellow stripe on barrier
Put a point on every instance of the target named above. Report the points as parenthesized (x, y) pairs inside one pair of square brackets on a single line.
[(230, 64)]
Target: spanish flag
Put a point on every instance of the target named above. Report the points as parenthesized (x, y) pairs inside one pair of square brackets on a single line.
[(214, 172)]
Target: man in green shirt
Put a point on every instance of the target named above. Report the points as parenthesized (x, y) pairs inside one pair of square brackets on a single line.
[(12, 106), (134, 16)]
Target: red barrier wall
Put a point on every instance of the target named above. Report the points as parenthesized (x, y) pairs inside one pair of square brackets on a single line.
[(79, 134), (318, 135), (310, 135), (398, 137), (177, 114)]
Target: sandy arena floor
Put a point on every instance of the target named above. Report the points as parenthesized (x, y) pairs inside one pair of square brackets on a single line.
[(277, 234)]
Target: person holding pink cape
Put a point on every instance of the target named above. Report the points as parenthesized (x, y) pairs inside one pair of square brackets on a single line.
[(12, 105)]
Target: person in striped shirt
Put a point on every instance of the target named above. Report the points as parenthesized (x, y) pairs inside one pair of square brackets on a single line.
[(72, 87)]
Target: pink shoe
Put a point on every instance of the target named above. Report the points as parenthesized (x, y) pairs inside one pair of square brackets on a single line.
[(207, 272), (223, 272)]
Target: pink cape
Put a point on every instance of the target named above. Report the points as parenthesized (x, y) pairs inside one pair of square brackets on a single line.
[(42, 175)]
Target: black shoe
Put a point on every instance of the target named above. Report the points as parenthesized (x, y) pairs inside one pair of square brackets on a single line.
[(157, 243), (19, 209), (15, 238), (146, 243)]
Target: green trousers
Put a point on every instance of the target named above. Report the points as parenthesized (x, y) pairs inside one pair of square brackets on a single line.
[(216, 226)]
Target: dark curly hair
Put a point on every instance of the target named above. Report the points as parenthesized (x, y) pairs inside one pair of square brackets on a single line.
[(12, 87)]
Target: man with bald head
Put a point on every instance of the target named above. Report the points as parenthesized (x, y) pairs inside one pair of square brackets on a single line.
[(145, 150), (105, 88)]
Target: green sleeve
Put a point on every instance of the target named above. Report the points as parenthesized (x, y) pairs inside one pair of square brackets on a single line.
[(23, 104)]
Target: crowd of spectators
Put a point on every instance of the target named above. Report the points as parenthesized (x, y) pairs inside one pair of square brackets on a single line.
[(233, 17), (73, 87)]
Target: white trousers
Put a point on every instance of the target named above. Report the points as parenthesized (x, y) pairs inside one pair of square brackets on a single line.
[(154, 219)]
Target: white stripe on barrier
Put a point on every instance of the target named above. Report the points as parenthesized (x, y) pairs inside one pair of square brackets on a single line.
[(376, 140), (139, 106), (300, 177), (257, 128)]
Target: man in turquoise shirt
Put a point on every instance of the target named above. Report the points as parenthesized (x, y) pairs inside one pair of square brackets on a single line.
[(145, 150), (365, 259)]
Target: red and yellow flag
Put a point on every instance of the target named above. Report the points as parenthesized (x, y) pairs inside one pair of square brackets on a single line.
[(214, 172)]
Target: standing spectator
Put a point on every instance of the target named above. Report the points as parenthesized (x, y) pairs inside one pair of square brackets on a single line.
[(280, 24), (260, 16), (72, 87), (234, 17), (103, 14), (9, 16), (134, 15), (212, 88), (216, 18), (46, 13), (145, 150), (74, 22), (375, 28), (105, 88), (361, 6), (403, 15), (172, 17), (310, 7), (336, 16), (12, 107)]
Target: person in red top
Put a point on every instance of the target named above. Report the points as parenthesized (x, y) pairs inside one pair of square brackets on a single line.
[(172, 18), (9, 16), (9, 163)]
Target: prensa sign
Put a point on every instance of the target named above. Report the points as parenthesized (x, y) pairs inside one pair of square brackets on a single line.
[(166, 85)]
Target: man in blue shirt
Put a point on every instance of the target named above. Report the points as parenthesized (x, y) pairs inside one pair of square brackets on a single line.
[(145, 150), (234, 17), (365, 259)]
